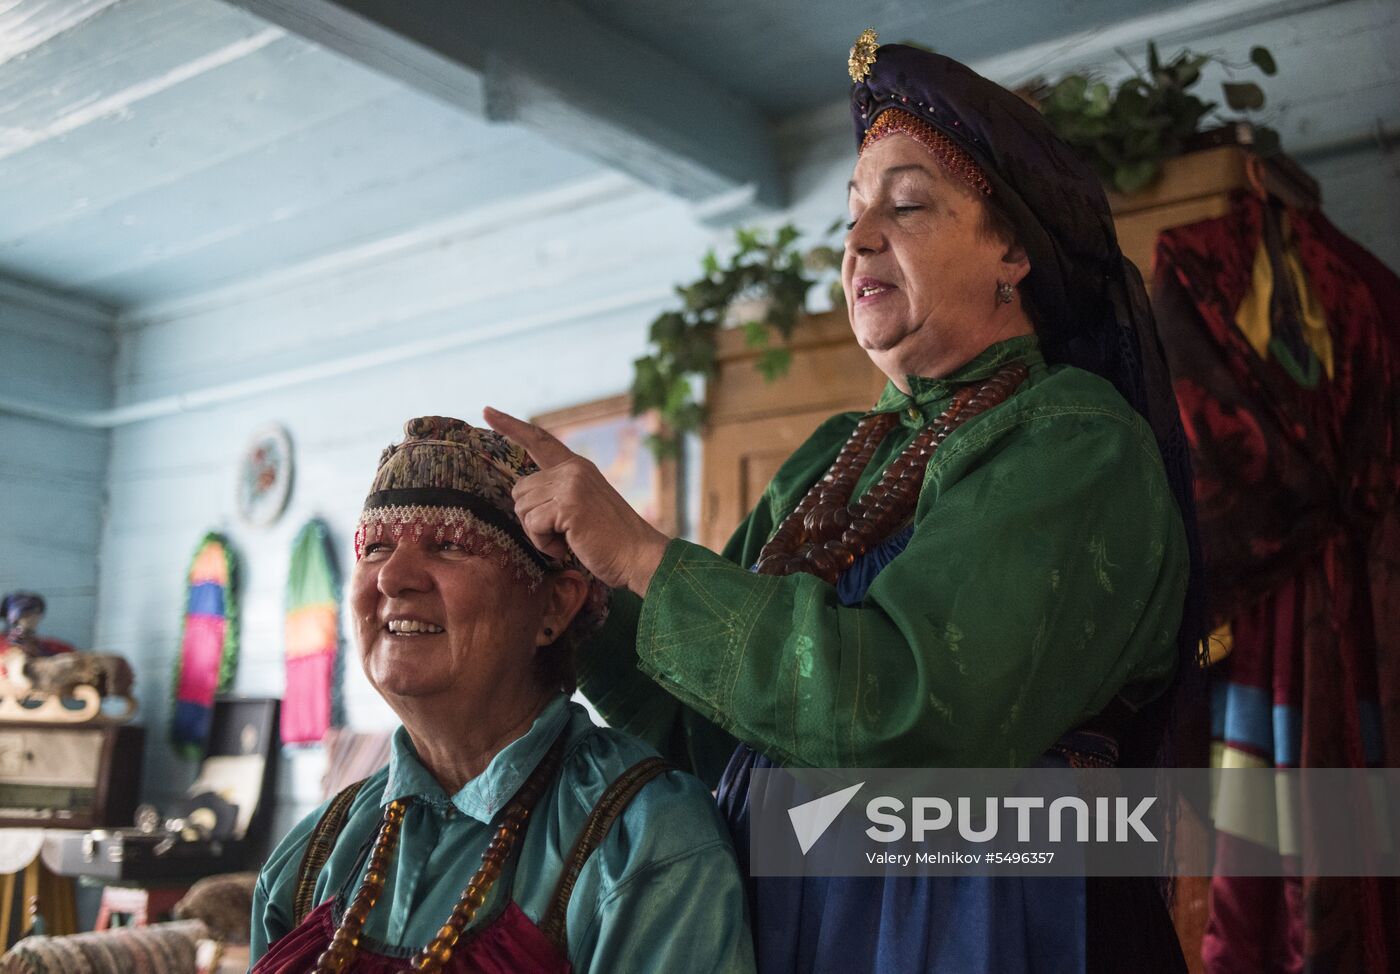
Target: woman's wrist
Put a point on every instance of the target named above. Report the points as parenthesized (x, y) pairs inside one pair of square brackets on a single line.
[(646, 560)]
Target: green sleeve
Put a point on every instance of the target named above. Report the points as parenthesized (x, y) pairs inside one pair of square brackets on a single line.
[(629, 700), (1044, 576)]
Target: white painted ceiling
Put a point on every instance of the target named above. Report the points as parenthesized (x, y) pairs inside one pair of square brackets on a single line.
[(154, 149), (150, 148)]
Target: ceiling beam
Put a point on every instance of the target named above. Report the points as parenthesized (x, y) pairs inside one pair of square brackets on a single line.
[(27, 24), (547, 65)]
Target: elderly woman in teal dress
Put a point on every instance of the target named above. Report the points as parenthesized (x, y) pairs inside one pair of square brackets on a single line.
[(982, 569), (507, 834)]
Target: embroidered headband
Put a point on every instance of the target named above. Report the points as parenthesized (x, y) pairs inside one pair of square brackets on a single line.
[(895, 121)]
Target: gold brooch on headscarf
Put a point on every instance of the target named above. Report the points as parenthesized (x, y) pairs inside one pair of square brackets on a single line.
[(863, 54)]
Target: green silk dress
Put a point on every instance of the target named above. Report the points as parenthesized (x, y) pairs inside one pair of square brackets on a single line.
[(1041, 578), (1044, 577)]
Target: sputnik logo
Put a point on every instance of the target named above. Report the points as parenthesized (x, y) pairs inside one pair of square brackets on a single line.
[(810, 820)]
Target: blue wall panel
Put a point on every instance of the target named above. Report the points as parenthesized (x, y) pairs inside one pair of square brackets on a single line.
[(58, 353)]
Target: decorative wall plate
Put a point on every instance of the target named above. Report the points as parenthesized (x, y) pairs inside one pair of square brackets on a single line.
[(265, 476)]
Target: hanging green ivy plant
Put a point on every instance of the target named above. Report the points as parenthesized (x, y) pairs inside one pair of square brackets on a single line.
[(1127, 134), (766, 273)]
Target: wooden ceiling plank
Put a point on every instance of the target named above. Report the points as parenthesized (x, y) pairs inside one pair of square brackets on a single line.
[(27, 24), (289, 217), (66, 206), (106, 65), (122, 99)]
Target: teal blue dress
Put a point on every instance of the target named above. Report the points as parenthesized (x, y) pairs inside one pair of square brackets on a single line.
[(661, 893)]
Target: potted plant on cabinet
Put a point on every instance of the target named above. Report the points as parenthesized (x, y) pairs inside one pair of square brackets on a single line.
[(1127, 133), (761, 288)]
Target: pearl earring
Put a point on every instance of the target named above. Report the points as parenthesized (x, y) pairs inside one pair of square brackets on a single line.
[(1004, 292)]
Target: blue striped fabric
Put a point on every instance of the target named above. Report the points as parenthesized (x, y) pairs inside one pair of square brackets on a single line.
[(207, 598)]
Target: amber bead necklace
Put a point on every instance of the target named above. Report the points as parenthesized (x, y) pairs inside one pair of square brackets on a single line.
[(826, 533), (434, 957)]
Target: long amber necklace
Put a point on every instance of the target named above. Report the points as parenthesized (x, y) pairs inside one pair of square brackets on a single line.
[(826, 533), (434, 957)]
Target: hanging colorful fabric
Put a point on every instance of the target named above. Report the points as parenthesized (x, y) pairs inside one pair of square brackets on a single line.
[(313, 638), (208, 645), (1284, 368)]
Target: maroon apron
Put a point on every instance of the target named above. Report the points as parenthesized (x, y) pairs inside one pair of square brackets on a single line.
[(509, 944)]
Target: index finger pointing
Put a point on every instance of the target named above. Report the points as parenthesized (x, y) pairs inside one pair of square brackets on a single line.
[(542, 446)]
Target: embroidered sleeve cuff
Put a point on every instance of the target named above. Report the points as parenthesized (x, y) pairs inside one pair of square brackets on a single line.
[(687, 632)]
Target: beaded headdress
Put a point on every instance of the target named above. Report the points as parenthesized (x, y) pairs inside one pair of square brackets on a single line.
[(894, 121), (452, 481)]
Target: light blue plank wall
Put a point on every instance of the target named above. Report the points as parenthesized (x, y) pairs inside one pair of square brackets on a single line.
[(1361, 191), (57, 353)]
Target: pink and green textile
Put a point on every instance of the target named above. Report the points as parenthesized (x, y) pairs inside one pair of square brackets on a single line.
[(208, 644), (313, 638)]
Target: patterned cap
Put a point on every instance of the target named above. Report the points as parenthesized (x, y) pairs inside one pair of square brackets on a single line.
[(454, 480)]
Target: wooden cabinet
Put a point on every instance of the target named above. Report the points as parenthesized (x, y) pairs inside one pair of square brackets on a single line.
[(754, 425), (1197, 186)]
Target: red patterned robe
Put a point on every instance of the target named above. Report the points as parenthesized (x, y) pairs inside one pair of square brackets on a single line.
[(1284, 338)]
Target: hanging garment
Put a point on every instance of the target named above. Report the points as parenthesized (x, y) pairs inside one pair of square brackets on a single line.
[(310, 701), (1281, 334), (208, 644)]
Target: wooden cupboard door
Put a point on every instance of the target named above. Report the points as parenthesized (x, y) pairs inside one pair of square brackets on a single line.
[(739, 459), (1138, 231), (825, 378)]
